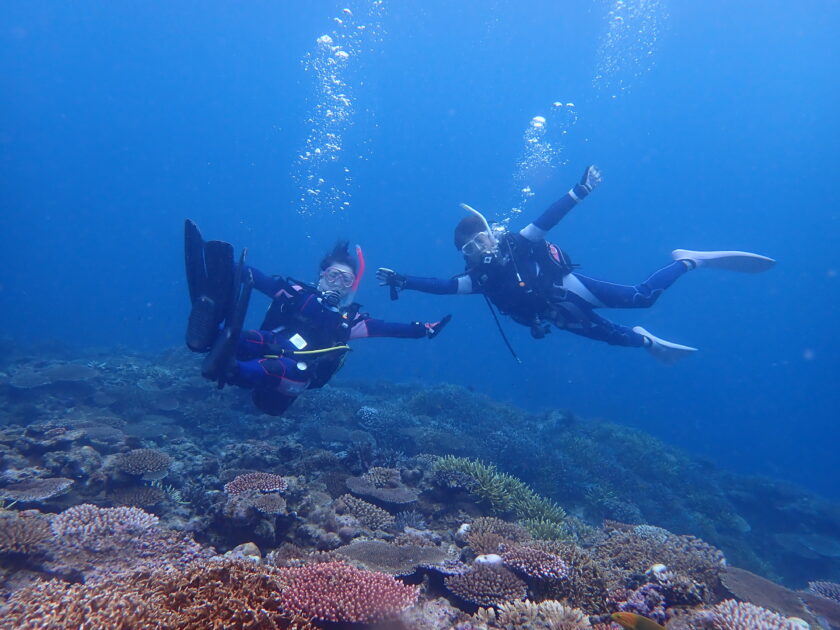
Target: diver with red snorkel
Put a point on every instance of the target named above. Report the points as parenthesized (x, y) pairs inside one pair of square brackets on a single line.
[(303, 338)]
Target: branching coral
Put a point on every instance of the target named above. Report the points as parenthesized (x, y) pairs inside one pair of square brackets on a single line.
[(536, 564), (23, 534), (502, 491), (208, 594), (487, 585), (101, 540), (335, 591)]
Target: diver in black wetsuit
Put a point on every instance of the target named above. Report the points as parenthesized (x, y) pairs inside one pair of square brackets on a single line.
[(303, 338), (534, 282)]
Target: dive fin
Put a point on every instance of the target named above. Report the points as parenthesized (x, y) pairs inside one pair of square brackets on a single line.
[(745, 262), (667, 352), (219, 363), (210, 276)]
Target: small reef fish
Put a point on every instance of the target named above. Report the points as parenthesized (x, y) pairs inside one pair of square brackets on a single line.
[(633, 621)]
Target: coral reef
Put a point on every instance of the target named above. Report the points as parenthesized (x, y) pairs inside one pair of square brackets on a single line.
[(487, 585), (164, 503), (335, 591), (263, 482)]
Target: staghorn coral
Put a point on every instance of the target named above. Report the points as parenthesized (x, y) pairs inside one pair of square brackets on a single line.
[(535, 564), (208, 594), (487, 585), (147, 462), (502, 491), (546, 529), (36, 490), (369, 515), (335, 591), (546, 615), (264, 482), (23, 533)]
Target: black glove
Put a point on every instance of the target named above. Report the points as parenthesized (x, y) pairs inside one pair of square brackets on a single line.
[(331, 298), (390, 278), (433, 329), (589, 180)]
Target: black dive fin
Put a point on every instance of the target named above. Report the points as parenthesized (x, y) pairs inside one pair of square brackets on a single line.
[(210, 275), (219, 362), (194, 259)]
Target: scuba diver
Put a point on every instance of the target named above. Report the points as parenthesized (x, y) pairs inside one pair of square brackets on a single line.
[(302, 340), (535, 283)]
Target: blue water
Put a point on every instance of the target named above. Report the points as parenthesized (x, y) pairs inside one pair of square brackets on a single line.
[(117, 121)]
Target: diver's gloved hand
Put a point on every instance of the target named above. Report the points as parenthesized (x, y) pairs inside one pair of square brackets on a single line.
[(390, 278), (433, 329), (589, 180), (331, 298)]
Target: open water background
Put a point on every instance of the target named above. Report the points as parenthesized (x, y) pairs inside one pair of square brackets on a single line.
[(715, 124)]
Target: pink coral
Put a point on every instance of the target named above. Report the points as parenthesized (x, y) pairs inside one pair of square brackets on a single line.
[(264, 482), (335, 591)]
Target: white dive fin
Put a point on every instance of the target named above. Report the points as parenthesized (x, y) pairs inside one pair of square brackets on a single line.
[(745, 262), (666, 351)]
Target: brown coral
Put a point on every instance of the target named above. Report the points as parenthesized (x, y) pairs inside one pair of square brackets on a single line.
[(209, 594), (269, 504), (535, 564), (23, 534), (36, 490), (389, 558), (635, 551), (263, 482), (102, 540), (509, 531), (369, 515), (148, 462), (487, 585), (381, 477)]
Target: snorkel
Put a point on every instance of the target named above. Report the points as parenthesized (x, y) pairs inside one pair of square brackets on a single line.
[(361, 271), (351, 294)]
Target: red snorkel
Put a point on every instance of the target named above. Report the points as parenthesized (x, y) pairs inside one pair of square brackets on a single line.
[(361, 271)]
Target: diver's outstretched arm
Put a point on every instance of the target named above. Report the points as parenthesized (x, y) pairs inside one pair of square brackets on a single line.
[(554, 214), (368, 327), (438, 286)]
